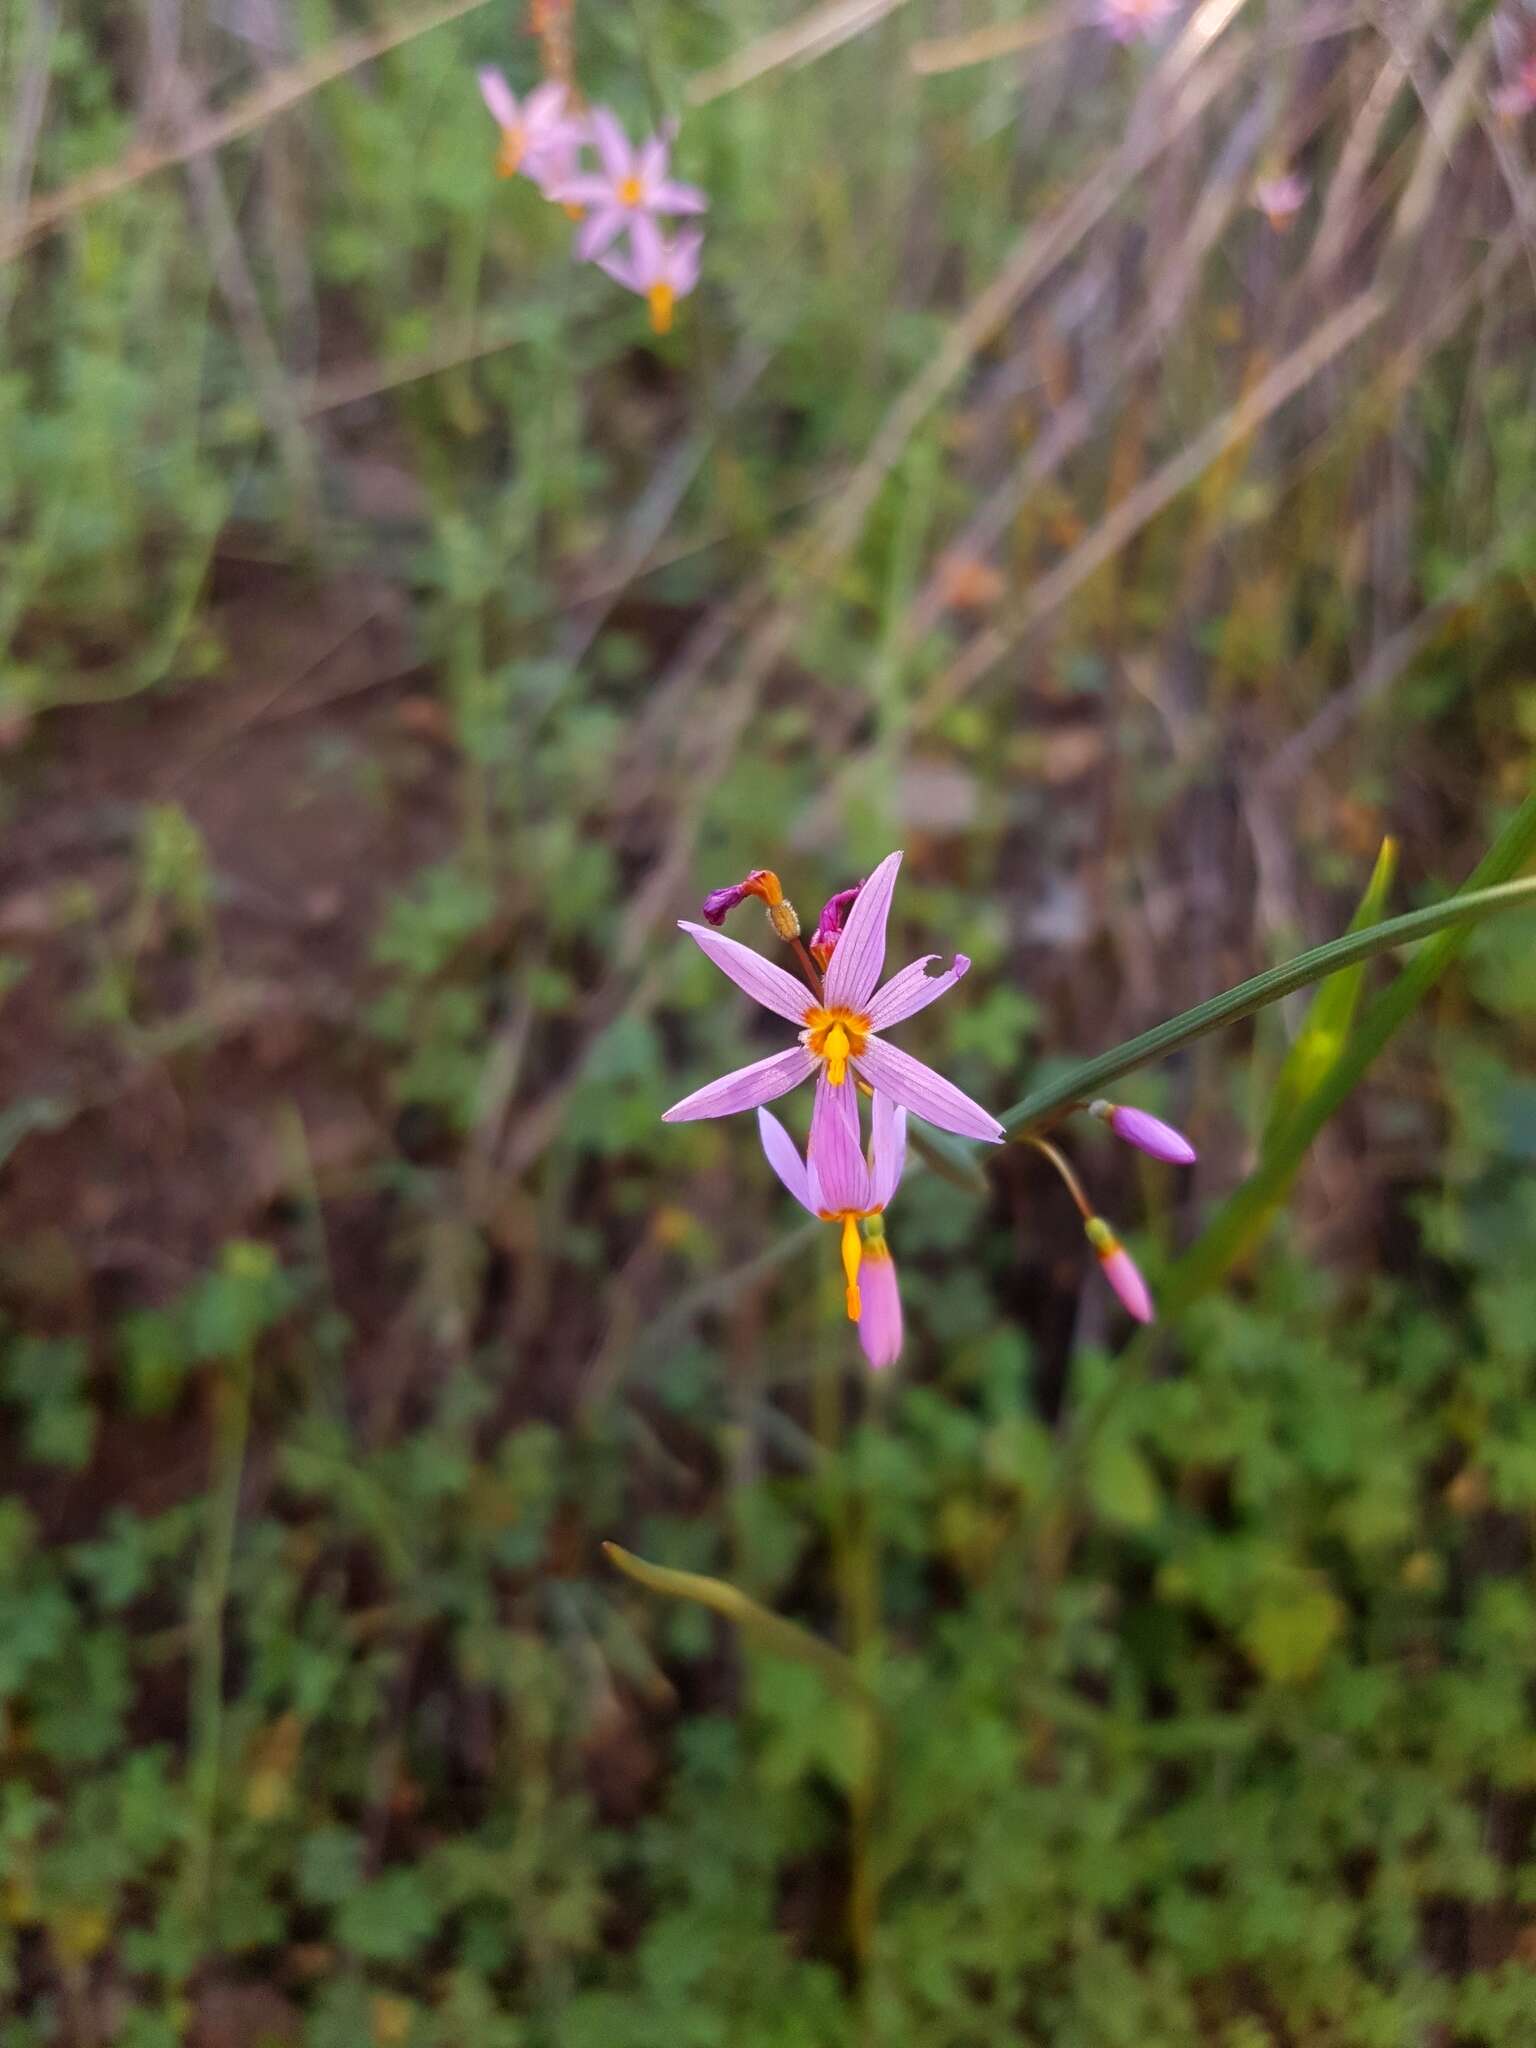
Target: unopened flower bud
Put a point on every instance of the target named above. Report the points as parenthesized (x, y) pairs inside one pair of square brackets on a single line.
[(1146, 1132), (1120, 1269), (880, 1302)]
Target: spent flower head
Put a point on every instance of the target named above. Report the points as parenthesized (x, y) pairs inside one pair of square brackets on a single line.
[(839, 1028)]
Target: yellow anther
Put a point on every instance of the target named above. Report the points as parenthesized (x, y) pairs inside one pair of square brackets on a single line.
[(837, 1049), (661, 298), (853, 1253)]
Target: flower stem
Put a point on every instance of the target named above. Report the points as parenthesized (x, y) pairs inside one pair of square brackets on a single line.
[(1074, 1186)]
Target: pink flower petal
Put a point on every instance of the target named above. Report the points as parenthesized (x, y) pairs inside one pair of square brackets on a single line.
[(545, 104), (913, 990), (499, 98), (879, 1308), (765, 983), (670, 197), (585, 189), (683, 262), (611, 144), (855, 967), (784, 1158), (838, 1177), (921, 1090), (651, 163), (887, 1148), (597, 231), (764, 1081)]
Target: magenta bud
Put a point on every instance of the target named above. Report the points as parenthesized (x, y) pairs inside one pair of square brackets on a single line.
[(829, 925), (719, 901), (879, 1306), (1120, 1270), (1146, 1132), (762, 883)]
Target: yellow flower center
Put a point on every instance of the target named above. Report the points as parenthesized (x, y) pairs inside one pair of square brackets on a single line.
[(836, 1036), (513, 141), (662, 298), (629, 192)]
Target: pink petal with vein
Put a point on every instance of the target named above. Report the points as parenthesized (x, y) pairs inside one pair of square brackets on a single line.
[(784, 1158), (888, 1148), (765, 983), (921, 1090), (764, 1081), (835, 1158), (855, 967), (913, 990)]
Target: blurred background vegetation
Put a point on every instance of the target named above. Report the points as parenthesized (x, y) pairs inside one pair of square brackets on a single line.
[(395, 637)]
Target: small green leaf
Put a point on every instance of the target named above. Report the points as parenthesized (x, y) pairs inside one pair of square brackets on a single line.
[(1121, 1484), (1292, 1629)]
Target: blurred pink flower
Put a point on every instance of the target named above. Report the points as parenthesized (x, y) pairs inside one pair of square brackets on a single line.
[(1126, 20), (1515, 99), (662, 272), (833, 1181), (629, 185), (541, 137), (1120, 1269), (1281, 198), (1146, 1132), (839, 1034)]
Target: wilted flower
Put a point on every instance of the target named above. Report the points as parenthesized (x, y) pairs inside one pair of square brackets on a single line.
[(829, 926), (1120, 1269), (765, 885), (839, 1032), (1281, 198), (662, 272), (834, 1183), (1127, 19), (1146, 1132), (630, 185), (541, 137)]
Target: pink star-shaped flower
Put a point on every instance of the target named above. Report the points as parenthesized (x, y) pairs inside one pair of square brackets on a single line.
[(629, 184)]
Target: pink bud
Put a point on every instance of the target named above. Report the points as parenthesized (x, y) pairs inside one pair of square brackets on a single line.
[(1120, 1270), (879, 1306), (1146, 1132)]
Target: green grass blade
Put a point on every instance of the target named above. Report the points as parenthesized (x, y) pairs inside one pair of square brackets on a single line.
[(771, 1631), (1238, 1224), (1322, 1036), (1088, 1079)]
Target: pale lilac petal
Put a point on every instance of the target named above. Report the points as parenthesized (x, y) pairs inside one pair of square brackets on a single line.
[(649, 245), (913, 990), (682, 264), (619, 264), (611, 144), (879, 1307), (855, 967), (887, 1148), (1150, 1134), (839, 1180), (545, 105), (921, 1090), (595, 234), (670, 197), (764, 1081), (499, 98), (586, 189), (784, 1158), (651, 164), (1120, 1270), (765, 983)]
